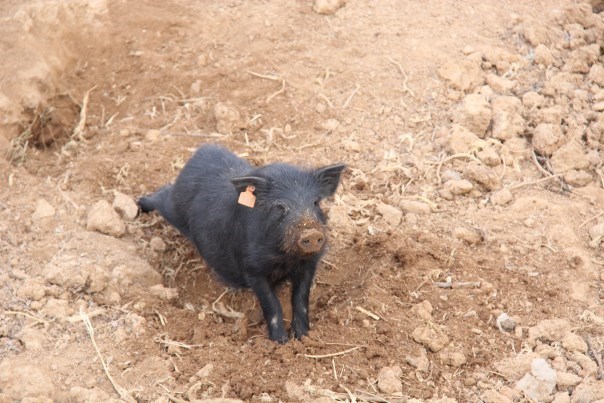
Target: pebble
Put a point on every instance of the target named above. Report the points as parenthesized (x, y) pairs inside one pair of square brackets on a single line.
[(157, 244), (502, 197), (532, 100), (543, 55), (547, 138), (474, 113), (419, 360), (228, 118), (505, 323), (507, 121), (153, 135), (483, 175), (391, 214), (431, 337), (423, 310), (463, 76), (501, 85), (125, 206), (570, 156), (458, 186), (414, 207), (567, 379), (43, 210), (462, 140), (163, 292), (452, 356), (577, 178), (102, 218), (388, 380), (469, 236), (206, 371), (573, 342), (327, 6), (549, 330)]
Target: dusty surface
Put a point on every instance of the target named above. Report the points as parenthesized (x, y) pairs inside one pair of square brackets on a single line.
[(473, 132)]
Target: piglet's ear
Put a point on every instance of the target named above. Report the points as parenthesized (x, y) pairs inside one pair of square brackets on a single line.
[(241, 183), (328, 178)]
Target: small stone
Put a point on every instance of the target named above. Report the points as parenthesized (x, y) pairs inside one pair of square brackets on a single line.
[(552, 115), (331, 124), (32, 339), (483, 175), (32, 289), (547, 138), (43, 210), (532, 100), (590, 390), (507, 121), (352, 146), (461, 140), (228, 118), (596, 74), (423, 310), (102, 218), (597, 231), (469, 236), (391, 214), (492, 396), (173, 349), (125, 206), (327, 6), (567, 379), (459, 187), (549, 330), (463, 76), (561, 397), (388, 380), (135, 146), (502, 197), (543, 55), (569, 156), (513, 367), (153, 135), (452, 357), (574, 342), (542, 371), (474, 114), (533, 388), (419, 360), (163, 292), (157, 244), (489, 156), (93, 394), (505, 323), (430, 336), (58, 309), (206, 371), (577, 178), (415, 207), (501, 85)]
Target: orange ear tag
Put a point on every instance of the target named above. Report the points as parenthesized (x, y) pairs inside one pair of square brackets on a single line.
[(247, 198)]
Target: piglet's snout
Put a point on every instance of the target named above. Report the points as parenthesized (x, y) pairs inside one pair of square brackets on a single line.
[(311, 241)]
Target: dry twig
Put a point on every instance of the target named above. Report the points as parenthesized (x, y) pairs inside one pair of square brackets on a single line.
[(121, 391), (78, 132), (350, 350)]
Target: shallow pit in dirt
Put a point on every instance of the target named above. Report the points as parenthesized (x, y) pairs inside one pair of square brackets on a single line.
[(465, 259)]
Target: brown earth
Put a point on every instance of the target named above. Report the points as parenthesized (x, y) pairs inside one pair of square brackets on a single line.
[(473, 132)]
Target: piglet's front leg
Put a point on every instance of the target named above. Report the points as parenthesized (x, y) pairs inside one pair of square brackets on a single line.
[(301, 282), (271, 308)]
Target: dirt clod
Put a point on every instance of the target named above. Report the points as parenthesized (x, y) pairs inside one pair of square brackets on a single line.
[(103, 218)]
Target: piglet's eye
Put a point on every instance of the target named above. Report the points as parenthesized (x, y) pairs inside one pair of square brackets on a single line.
[(318, 202)]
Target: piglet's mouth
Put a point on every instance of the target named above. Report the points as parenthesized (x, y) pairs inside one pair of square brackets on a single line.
[(306, 238)]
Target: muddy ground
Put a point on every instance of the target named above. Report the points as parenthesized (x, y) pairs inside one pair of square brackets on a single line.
[(466, 258)]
